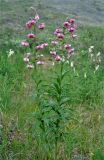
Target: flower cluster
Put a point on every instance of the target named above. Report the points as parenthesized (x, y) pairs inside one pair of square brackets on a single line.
[(24, 43), (95, 58), (71, 27), (31, 41), (57, 47), (64, 34), (32, 25), (41, 46)]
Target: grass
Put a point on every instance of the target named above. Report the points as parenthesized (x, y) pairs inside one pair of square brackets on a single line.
[(21, 137)]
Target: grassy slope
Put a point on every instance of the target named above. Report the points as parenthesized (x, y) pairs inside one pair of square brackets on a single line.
[(92, 11), (14, 15), (89, 12)]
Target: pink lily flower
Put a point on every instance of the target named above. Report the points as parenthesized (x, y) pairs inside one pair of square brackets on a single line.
[(60, 35), (58, 58), (30, 24), (31, 35), (25, 44), (66, 24), (41, 62), (41, 26)]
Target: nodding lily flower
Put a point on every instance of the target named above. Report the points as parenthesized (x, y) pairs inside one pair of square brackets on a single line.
[(45, 44), (67, 46), (41, 26), (42, 46), (30, 66), (30, 24), (40, 62), (37, 17), (60, 36), (71, 50), (25, 44), (71, 21), (53, 53), (26, 59), (31, 35), (72, 30), (74, 36), (54, 42), (58, 58), (58, 30), (67, 25)]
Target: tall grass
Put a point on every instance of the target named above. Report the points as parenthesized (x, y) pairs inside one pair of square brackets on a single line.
[(55, 112)]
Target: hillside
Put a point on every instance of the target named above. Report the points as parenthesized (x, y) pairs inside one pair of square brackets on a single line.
[(15, 13), (90, 11)]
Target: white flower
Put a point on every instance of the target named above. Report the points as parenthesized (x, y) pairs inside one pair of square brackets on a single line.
[(90, 50), (98, 54), (67, 62), (85, 75), (99, 60), (37, 17), (72, 64), (11, 52), (94, 60), (30, 66), (92, 47), (41, 55), (26, 59), (28, 54), (97, 67), (32, 8), (92, 55)]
